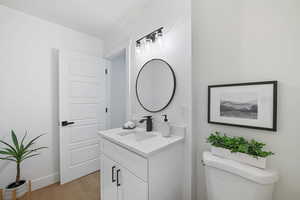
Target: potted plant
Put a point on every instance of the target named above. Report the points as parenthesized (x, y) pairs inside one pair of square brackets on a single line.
[(17, 153), (239, 149)]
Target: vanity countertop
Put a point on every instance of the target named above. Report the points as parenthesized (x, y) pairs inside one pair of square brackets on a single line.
[(145, 147)]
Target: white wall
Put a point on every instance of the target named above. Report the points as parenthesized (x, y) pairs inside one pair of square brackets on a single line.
[(175, 50), (174, 16), (118, 90), (174, 42), (250, 40), (29, 86)]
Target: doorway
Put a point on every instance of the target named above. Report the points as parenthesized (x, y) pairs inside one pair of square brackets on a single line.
[(118, 89)]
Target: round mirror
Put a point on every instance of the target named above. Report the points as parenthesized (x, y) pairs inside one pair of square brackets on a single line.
[(155, 85)]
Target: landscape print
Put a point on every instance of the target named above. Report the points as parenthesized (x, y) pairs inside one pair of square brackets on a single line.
[(239, 106)]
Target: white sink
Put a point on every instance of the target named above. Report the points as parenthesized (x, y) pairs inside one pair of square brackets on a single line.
[(125, 133), (137, 135), (139, 140), (141, 136)]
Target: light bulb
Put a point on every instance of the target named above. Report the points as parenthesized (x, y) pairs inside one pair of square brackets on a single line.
[(138, 47), (138, 44), (148, 43), (138, 50), (159, 34)]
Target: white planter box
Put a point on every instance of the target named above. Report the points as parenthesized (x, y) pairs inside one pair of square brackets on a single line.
[(240, 157), (20, 191)]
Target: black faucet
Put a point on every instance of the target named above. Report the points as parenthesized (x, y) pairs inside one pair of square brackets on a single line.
[(148, 120)]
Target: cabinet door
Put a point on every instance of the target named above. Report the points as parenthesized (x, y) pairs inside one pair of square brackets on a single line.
[(109, 189), (131, 187)]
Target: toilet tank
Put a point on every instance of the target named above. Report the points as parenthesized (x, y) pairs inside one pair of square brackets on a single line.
[(230, 180)]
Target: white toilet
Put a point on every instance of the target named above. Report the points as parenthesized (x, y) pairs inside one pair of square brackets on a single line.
[(230, 180)]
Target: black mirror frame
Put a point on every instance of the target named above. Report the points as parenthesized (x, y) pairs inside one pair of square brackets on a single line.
[(173, 92)]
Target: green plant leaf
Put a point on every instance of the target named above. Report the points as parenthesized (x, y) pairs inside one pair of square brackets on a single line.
[(32, 141), (10, 151), (30, 156), (32, 151), (15, 140), (38, 149), (19, 152), (5, 152), (22, 142), (11, 147), (9, 158), (239, 144)]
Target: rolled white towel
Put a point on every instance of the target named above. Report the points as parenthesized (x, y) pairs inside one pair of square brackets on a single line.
[(129, 125)]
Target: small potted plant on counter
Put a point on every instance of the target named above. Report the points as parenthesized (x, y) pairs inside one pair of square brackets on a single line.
[(17, 153), (239, 149)]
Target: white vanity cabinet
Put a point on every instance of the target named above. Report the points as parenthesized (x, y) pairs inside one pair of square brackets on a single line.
[(127, 175), (109, 188), (118, 183)]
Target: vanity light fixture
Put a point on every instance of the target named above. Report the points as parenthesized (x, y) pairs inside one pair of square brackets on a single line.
[(150, 38)]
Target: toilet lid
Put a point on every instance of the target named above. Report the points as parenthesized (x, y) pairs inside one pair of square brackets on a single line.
[(252, 173)]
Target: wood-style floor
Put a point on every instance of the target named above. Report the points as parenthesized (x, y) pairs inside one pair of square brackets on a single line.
[(85, 188)]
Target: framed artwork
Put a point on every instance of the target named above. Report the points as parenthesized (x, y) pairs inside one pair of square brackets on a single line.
[(249, 105)]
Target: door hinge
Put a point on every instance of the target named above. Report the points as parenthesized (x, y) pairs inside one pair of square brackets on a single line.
[(106, 71), (106, 110)]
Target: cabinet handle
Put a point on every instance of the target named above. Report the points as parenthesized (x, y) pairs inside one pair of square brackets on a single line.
[(113, 174), (118, 179)]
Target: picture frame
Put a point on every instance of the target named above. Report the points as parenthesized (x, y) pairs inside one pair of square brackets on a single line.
[(248, 105)]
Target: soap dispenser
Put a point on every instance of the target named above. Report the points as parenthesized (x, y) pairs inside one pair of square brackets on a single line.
[(165, 129)]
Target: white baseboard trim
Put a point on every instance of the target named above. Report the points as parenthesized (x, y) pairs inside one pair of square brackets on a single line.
[(45, 181)]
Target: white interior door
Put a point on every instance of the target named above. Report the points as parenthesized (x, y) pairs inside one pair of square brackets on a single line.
[(82, 105)]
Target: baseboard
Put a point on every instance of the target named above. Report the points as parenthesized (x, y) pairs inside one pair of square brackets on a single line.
[(45, 181)]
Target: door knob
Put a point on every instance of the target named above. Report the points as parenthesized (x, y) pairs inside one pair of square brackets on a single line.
[(66, 123)]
